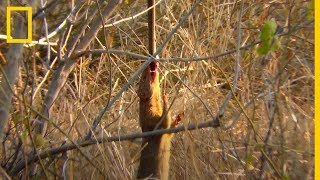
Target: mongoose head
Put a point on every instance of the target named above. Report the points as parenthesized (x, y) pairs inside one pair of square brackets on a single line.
[(149, 82)]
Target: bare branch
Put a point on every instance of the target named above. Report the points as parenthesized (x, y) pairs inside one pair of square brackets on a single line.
[(10, 72), (65, 68), (210, 123), (133, 17), (176, 59), (4, 175)]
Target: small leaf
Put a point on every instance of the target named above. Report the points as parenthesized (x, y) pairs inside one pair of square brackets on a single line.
[(38, 140), (24, 136), (248, 160), (250, 167), (268, 30), (276, 44), (310, 11), (264, 48), (17, 118), (268, 38), (285, 177)]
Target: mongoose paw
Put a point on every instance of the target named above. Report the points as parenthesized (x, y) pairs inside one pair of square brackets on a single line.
[(178, 119)]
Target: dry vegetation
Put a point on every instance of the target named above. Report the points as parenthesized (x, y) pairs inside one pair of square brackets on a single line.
[(267, 128)]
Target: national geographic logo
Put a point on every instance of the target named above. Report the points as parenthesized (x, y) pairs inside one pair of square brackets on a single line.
[(11, 9)]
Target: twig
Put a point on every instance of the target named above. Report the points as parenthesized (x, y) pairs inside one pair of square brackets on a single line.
[(45, 78), (108, 54), (76, 38), (238, 53), (40, 12), (63, 24), (32, 43), (236, 68), (193, 93), (46, 33), (3, 174)]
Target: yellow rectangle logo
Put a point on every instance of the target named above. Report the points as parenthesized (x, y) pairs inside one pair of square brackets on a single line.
[(29, 14)]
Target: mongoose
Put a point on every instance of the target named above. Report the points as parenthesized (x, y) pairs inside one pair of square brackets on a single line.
[(155, 155), (151, 109)]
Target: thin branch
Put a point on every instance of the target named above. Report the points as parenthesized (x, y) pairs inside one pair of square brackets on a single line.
[(3, 174), (46, 33), (41, 11), (176, 59), (67, 20), (33, 42), (108, 54), (76, 37), (237, 67), (210, 123), (132, 17)]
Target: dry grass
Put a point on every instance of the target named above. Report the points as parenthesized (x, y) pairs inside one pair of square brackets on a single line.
[(285, 82)]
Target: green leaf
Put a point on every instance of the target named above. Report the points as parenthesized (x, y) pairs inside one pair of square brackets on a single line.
[(268, 38), (286, 177), (18, 118), (268, 30), (38, 140), (24, 135), (264, 48), (248, 160), (310, 11), (250, 167), (276, 44)]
